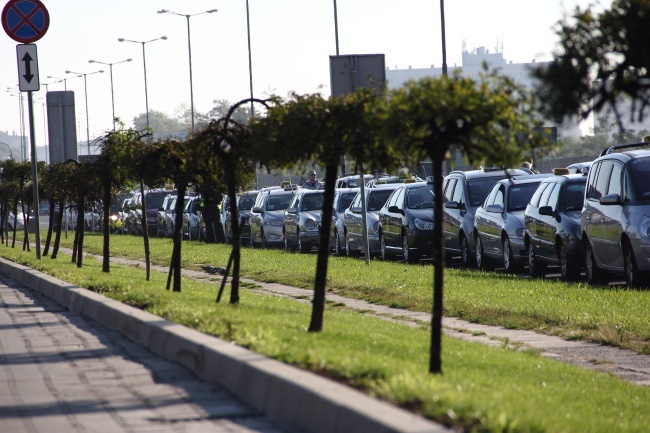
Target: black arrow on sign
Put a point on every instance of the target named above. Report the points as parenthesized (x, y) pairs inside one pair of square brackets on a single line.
[(28, 67)]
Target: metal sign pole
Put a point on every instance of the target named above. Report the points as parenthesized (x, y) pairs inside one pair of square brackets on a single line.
[(37, 231)]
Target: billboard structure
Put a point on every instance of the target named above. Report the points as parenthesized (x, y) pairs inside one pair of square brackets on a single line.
[(61, 126)]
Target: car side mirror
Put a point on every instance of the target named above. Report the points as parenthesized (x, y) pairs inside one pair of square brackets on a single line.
[(454, 205), (291, 210), (610, 199), (494, 208), (395, 209), (546, 210), (256, 209), (356, 209)]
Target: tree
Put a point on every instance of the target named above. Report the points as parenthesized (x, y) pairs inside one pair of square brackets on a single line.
[(159, 123), (482, 119), (603, 59)]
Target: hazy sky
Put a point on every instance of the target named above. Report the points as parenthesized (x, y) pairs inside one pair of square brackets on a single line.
[(291, 42)]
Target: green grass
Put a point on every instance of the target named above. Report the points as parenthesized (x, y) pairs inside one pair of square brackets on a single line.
[(573, 310), (483, 389)]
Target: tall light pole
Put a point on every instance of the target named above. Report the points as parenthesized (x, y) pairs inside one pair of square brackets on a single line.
[(144, 62), (110, 67), (336, 28), (79, 74), (250, 57), (444, 42), (189, 50), (64, 80)]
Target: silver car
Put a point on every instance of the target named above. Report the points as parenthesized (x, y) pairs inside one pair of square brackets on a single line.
[(267, 216), (342, 200), (302, 220), (615, 220), (499, 223)]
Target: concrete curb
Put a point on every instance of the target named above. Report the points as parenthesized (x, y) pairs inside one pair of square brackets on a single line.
[(280, 391)]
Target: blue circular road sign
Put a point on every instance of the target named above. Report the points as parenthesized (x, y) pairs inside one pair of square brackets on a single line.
[(25, 21)]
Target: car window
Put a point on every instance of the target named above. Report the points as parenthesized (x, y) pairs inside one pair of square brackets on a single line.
[(345, 200), (491, 196), (377, 199), (294, 202), (312, 202), (602, 180), (574, 197), (399, 199), (615, 185), (543, 200), (246, 202), (154, 200), (448, 194), (640, 173), (534, 200), (553, 198), (420, 198), (279, 201), (593, 173), (499, 198), (478, 189), (357, 200), (459, 196), (519, 195)]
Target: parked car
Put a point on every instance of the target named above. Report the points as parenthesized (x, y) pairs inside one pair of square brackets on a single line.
[(579, 168), (154, 199), (463, 193), (499, 223), (193, 223), (375, 199), (615, 220), (552, 225), (164, 221), (406, 223), (352, 180), (245, 201), (92, 217), (267, 215), (302, 220), (342, 199)]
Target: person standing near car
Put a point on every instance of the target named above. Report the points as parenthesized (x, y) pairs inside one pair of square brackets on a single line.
[(312, 181)]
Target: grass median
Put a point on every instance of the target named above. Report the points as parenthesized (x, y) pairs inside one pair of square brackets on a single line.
[(482, 389)]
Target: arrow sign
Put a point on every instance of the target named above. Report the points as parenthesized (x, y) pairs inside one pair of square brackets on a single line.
[(28, 68)]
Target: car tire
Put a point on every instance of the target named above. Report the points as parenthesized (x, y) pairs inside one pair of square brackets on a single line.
[(568, 269), (468, 260), (483, 263), (338, 249), (302, 248), (593, 273), (509, 263), (409, 256), (633, 277), (536, 268)]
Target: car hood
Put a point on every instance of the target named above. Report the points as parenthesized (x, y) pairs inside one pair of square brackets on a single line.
[(423, 214), (515, 219), (274, 215), (313, 214)]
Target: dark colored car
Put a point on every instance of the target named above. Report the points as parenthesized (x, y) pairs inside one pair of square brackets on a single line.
[(406, 223), (552, 225), (342, 200), (463, 193), (302, 220), (245, 202), (375, 199), (267, 216), (154, 199), (615, 220), (499, 223)]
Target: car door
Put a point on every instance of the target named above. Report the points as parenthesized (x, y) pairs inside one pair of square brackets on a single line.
[(393, 219), (482, 220), (545, 224), (612, 252), (594, 225), (454, 214), (352, 221), (449, 235), (291, 220)]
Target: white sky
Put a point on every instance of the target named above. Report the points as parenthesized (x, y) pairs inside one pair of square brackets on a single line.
[(291, 44)]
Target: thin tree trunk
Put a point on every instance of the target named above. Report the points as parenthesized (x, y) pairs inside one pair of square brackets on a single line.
[(236, 236), (81, 228), (175, 265), (106, 262), (50, 228), (145, 231), (435, 362), (320, 285)]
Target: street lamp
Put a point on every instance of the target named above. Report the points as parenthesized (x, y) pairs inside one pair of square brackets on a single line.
[(110, 67), (189, 50), (64, 80), (144, 62), (79, 74)]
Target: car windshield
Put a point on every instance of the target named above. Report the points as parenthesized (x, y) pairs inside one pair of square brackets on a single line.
[(278, 202), (479, 188), (640, 169), (155, 199), (345, 200), (420, 198), (520, 195), (574, 197), (312, 202), (377, 198), (246, 202)]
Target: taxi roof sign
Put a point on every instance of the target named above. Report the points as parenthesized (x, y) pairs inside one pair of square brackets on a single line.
[(560, 171)]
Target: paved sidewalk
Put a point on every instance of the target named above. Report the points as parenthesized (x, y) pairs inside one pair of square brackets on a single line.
[(63, 373)]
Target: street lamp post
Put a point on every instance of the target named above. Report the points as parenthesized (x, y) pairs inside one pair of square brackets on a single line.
[(144, 62), (110, 67), (86, 97), (64, 80), (189, 50)]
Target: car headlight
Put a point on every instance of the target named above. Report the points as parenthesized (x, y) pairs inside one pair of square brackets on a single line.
[(644, 227), (519, 232), (113, 217), (310, 224), (374, 229), (423, 225), (273, 223), (577, 232)]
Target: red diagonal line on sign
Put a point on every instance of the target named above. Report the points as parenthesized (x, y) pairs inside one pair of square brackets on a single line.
[(26, 18)]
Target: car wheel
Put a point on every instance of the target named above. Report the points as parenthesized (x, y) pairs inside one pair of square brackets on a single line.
[(509, 263), (409, 256), (568, 269), (633, 277), (594, 274), (382, 248), (338, 249), (482, 262), (535, 268), (302, 248), (466, 254)]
